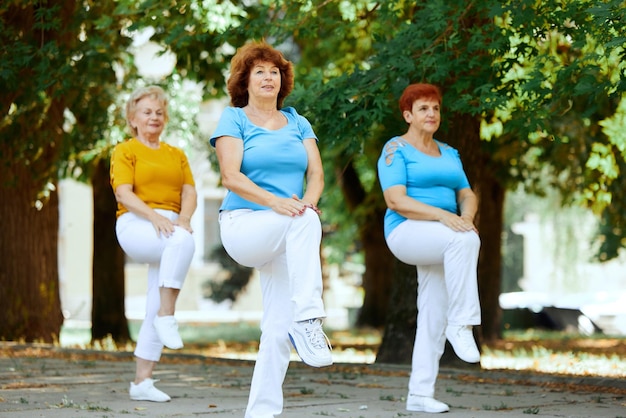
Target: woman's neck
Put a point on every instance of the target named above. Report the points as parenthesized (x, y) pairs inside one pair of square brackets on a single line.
[(422, 141), (152, 141), (265, 114), (267, 107), (418, 138)]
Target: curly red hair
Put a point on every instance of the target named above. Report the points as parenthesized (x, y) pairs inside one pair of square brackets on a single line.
[(241, 64), (418, 91)]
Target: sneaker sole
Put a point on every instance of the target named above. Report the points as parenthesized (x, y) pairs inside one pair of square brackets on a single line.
[(173, 347), (430, 411), (148, 400), (305, 359)]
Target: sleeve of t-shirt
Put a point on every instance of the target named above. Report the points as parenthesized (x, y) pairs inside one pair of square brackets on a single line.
[(392, 166), (187, 174), (464, 184), (122, 166), (306, 130), (229, 125)]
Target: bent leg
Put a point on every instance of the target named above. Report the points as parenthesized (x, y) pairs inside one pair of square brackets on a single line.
[(298, 237), (176, 258), (305, 270), (461, 263), (421, 243), (174, 266)]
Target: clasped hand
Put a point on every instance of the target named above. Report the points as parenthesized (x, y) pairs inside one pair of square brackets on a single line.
[(293, 206), (458, 223), (164, 227)]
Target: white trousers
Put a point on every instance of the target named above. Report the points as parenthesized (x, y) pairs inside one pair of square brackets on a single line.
[(168, 260), (286, 251), (447, 290)]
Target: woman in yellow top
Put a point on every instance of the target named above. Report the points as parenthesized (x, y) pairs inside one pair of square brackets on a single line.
[(156, 198)]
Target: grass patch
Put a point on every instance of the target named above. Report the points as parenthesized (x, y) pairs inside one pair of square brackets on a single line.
[(557, 353)]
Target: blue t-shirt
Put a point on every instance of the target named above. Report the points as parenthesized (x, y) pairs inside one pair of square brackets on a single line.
[(275, 160), (431, 180)]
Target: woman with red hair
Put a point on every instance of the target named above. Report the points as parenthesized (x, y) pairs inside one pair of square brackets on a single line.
[(271, 166), (429, 223)]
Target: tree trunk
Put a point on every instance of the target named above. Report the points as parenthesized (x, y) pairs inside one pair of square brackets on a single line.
[(399, 335), (490, 263), (377, 278), (29, 281), (108, 312)]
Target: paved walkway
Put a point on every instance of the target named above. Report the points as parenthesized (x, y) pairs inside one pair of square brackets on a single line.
[(41, 381)]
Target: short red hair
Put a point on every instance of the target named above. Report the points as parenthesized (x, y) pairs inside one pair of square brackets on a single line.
[(418, 91)]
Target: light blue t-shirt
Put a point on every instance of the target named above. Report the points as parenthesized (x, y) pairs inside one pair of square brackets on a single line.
[(275, 160), (431, 180)]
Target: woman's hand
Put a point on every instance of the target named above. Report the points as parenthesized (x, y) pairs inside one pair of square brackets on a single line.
[(307, 204), (184, 222), (162, 225), (457, 223), (291, 206)]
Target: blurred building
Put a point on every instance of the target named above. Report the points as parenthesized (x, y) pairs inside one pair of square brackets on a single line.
[(562, 286)]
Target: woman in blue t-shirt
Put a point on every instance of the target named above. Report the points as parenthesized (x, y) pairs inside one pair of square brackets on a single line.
[(271, 166), (429, 223)]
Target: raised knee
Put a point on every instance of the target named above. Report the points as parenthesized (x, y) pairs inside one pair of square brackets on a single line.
[(475, 239), (470, 239), (310, 218), (183, 237)]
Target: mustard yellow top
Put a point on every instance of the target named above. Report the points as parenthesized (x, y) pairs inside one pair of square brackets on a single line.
[(157, 175)]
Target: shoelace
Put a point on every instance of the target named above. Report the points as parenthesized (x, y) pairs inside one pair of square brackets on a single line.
[(315, 335)]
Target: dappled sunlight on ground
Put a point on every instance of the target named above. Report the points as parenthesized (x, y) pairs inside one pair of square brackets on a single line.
[(543, 360), (554, 354), (559, 353), (531, 350)]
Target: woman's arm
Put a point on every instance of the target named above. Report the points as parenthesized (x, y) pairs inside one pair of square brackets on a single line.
[(467, 203), (188, 204), (398, 201), (314, 174)]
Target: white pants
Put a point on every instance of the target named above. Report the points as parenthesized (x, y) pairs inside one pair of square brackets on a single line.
[(168, 260), (286, 251), (447, 290)]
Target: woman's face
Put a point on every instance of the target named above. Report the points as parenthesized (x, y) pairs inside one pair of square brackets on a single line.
[(149, 117), (264, 80), (424, 115)]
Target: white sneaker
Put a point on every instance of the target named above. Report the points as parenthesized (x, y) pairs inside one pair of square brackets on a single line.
[(167, 330), (311, 343), (462, 340), (145, 391), (418, 403)]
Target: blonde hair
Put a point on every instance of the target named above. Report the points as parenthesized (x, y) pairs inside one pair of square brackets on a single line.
[(154, 92)]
